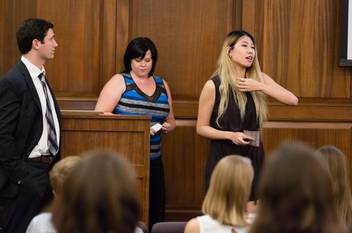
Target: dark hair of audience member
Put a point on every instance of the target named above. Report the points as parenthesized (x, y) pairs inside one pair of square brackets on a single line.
[(339, 171), (98, 196), (296, 194)]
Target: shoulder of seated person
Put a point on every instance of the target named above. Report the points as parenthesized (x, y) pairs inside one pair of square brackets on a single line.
[(192, 226)]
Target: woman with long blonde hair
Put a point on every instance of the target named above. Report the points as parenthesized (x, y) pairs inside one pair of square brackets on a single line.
[(341, 184), (225, 203), (232, 104)]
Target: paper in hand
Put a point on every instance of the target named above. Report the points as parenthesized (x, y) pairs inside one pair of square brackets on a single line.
[(255, 135), (156, 127)]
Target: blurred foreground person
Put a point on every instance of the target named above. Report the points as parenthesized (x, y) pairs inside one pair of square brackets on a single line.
[(296, 194)]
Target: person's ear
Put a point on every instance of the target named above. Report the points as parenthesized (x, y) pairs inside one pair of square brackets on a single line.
[(229, 52), (36, 44)]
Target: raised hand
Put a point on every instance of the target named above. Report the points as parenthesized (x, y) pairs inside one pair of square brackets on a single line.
[(249, 84)]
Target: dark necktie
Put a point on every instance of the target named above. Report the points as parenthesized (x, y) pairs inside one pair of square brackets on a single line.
[(52, 140)]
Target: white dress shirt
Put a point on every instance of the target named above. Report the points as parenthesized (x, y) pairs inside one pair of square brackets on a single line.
[(42, 147)]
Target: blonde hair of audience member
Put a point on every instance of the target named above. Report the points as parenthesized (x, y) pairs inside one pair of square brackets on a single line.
[(99, 196), (60, 171), (337, 165), (228, 193), (226, 71), (57, 175), (295, 193)]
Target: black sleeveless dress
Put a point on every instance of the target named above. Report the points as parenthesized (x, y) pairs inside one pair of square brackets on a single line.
[(231, 121)]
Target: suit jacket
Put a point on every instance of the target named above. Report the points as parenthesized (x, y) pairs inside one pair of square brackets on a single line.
[(21, 127)]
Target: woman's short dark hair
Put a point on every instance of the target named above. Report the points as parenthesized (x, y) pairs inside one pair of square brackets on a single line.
[(137, 48), (29, 30)]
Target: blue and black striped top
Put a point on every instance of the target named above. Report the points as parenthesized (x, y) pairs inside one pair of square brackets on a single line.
[(135, 102)]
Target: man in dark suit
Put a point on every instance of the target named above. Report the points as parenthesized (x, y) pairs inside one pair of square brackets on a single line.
[(29, 128)]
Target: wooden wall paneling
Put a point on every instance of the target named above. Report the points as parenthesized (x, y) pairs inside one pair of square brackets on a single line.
[(188, 35), (236, 17), (75, 69), (349, 154), (122, 31), (185, 109), (86, 32), (252, 21), (314, 112), (77, 103), (184, 156), (12, 12), (301, 48), (313, 134), (108, 43)]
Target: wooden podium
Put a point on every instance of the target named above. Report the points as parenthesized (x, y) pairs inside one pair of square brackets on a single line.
[(127, 135)]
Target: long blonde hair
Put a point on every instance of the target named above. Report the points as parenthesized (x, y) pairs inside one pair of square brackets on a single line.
[(226, 71), (337, 165), (229, 189)]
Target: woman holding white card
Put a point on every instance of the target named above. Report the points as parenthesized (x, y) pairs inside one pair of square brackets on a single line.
[(137, 91), (232, 104)]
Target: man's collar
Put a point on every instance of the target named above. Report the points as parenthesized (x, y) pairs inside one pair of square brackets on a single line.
[(33, 70)]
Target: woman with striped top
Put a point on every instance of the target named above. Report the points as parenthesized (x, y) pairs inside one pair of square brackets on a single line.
[(137, 91)]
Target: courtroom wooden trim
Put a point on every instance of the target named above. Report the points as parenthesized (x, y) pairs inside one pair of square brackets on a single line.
[(327, 111)]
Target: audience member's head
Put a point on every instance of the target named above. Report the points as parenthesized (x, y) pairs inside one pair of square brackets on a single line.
[(296, 194), (98, 196), (337, 166), (229, 189), (60, 171)]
